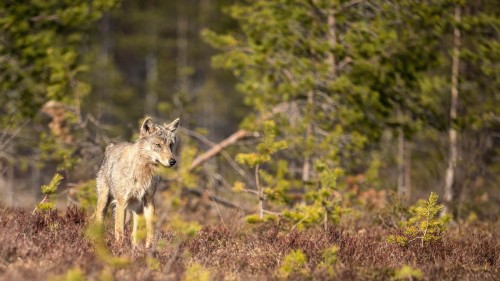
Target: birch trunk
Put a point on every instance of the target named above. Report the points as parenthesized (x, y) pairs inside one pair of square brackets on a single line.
[(332, 39), (260, 192), (306, 168), (452, 133), (403, 162)]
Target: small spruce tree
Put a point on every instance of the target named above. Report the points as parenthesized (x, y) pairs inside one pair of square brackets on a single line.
[(321, 200), (48, 191), (265, 150), (293, 263), (424, 223)]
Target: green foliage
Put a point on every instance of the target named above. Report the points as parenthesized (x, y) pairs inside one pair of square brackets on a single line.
[(74, 274), (184, 229), (153, 263), (270, 186), (322, 200), (406, 272), (424, 223), (141, 229), (52, 150), (330, 259), (330, 255), (49, 190), (43, 46), (369, 72), (293, 263), (398, 239), (39, 51), (86, 195), (238, 186), (282, 57), (46, 206), (253, 219), (265, 149), (196, 272)]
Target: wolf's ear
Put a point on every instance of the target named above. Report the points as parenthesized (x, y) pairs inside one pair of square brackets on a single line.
[(147, 127), (172, 127)]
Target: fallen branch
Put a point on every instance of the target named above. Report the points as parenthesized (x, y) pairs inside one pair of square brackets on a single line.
[(208, 142), (235, 137), (217, 148)]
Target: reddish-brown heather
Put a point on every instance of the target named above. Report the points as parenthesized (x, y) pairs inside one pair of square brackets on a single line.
[(35, 247)]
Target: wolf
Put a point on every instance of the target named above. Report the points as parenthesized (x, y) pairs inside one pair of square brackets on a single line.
[(127, 177)]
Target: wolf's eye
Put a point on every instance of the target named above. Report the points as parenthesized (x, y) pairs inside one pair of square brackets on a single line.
[(158, 145)]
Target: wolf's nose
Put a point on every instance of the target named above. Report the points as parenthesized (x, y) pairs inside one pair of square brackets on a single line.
[(172, 162)]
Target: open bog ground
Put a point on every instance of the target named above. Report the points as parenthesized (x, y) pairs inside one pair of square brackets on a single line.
[(54, 245)]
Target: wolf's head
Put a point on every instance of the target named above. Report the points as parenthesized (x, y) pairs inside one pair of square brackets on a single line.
[(157, 141)]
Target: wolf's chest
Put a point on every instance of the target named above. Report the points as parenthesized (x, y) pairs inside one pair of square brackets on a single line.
[(139, 187)]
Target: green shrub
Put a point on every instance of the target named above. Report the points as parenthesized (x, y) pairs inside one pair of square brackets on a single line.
[(406, 272), (329, 259), (424, 223), (86, 195), (293, 263), (196, 272), (48, 190)]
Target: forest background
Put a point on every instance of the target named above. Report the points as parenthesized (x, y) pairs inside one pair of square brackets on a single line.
[(303, 113)]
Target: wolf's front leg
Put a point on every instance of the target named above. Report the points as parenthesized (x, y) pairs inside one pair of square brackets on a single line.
[(119, 220), (102, 199), (149, 210)]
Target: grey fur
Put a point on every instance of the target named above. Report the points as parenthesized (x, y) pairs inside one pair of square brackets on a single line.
[(128, 176)]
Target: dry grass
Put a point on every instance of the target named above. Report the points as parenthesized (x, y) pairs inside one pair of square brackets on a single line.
[(36, 247)]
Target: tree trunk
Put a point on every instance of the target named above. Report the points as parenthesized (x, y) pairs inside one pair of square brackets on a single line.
[(306, 168), (260, 191), (182, 62), (407, 170), (151, 84), (453, 156), (332, 39), (10, 182), (403, 162)]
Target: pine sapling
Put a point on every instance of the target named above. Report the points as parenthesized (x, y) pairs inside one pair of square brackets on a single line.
[(321, 201), (407, 272), (49, 190), (424, 223), (265, 150), (293, 263)]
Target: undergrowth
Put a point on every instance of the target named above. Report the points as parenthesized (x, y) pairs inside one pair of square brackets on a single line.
[(49, 245)]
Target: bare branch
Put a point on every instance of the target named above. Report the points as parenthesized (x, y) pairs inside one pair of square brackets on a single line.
[(235, 137)]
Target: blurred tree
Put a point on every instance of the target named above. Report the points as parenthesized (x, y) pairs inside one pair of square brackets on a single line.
[(350, 71), (39, 51), (41, 62), (291, 53)]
